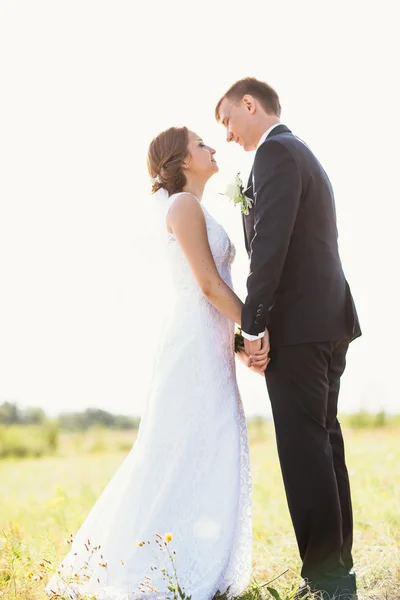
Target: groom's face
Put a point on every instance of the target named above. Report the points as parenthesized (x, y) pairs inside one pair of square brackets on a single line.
[(236, 118)]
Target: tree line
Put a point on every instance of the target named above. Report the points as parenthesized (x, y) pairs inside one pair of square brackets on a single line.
[(12, 414)]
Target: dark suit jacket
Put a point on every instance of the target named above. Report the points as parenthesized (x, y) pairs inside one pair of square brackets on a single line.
[(296, 285)]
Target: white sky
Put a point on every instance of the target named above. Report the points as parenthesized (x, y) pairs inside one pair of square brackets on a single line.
[(85, 85)]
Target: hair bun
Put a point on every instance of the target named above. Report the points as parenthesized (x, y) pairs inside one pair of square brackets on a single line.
[(164, 159)]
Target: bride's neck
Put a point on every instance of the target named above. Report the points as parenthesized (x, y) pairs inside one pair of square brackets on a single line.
[(196, 188)]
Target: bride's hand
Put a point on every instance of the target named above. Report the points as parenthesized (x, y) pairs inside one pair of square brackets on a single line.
[(258, 370), (245, 359)]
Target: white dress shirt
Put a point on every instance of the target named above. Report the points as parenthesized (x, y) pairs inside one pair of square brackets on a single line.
[(262, 140), (266, 134)]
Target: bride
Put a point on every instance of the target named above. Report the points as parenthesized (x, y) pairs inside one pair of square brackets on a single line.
[(178, 510)]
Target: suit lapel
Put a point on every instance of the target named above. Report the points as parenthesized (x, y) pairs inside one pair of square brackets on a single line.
[(248, 221), (276, 131)]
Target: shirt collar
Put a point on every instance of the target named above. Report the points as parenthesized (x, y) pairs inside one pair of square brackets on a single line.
[(266, 134)]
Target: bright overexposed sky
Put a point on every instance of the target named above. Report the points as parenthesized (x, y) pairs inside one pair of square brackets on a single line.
[(85, 85)]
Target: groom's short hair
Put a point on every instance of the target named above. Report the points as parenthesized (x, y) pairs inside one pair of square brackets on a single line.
[(264, 93)]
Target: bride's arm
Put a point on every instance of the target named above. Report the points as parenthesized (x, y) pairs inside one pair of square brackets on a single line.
[(186, 221)]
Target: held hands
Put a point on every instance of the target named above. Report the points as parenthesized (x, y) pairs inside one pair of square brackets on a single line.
[(255, 354)]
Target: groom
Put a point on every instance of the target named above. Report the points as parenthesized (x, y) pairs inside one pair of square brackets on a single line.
[(300, 304)]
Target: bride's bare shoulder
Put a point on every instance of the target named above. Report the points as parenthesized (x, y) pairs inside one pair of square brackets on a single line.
[(185, 206)]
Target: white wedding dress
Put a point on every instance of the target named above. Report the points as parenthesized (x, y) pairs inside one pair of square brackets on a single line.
[(188, 473)]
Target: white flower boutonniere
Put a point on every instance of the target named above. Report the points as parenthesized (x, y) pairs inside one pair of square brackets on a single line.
[(235, 191)]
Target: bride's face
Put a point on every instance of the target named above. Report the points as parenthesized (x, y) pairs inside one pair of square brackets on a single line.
[(200, 159)]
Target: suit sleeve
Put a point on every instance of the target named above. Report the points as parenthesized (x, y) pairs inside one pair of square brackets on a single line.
[(277, 193)]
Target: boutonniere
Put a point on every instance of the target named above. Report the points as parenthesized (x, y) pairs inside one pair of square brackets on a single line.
[(235, 192)]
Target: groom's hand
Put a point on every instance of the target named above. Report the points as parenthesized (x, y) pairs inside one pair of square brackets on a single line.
[(251, 347), (260, 357)]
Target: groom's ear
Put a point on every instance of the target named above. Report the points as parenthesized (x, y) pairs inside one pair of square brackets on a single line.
[(249, 103)]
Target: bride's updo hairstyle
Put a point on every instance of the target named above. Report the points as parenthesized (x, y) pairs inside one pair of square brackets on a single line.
[(164, 159)]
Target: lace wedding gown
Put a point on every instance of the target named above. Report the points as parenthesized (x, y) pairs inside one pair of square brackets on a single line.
[(188, 473)]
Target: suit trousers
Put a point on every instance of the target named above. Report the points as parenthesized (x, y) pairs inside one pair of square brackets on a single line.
[(303, 384)]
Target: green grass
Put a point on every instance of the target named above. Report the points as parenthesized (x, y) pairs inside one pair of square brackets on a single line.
[(43, 501)]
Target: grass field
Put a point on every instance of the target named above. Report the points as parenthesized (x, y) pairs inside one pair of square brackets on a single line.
[(43, 501)]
